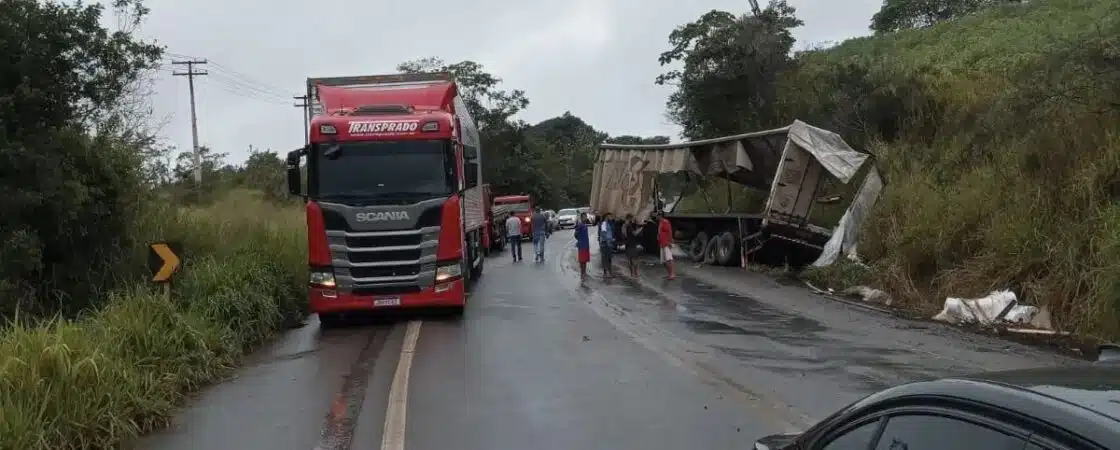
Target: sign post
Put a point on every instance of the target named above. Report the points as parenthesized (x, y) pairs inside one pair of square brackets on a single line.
[(164, 262)]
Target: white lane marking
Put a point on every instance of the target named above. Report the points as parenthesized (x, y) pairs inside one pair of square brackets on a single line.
[(392, 433)]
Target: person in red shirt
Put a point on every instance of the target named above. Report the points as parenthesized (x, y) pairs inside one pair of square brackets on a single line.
[(665, 242)]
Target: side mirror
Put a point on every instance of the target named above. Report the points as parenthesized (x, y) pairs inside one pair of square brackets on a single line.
[(294, 187)]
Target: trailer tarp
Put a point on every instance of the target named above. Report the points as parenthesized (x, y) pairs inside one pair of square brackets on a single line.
[(623, 178)]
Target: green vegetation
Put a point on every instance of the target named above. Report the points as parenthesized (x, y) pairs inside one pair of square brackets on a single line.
[(997, 129), (120, 371), (91, 353)]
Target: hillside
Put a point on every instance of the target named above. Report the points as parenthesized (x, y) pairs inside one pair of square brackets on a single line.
[(1004, 167), (997, 132)]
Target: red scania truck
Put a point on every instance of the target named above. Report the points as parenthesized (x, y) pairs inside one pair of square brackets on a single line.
[(395, 205), (520, 206)]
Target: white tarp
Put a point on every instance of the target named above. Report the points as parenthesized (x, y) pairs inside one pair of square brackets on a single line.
[(846, 235)]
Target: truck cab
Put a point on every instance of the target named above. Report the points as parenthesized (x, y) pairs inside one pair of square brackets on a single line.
[(520, 206), (395, 209)]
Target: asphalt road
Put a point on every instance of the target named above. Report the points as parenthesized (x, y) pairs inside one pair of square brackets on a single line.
[(712, 360)]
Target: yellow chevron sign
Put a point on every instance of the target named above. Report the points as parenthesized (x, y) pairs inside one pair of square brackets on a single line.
[(163, 260)]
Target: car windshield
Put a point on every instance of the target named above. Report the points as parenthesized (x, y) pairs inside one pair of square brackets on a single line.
[(383, 168), (566, 212)]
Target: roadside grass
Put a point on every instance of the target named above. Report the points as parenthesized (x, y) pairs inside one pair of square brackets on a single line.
[(120, 372)]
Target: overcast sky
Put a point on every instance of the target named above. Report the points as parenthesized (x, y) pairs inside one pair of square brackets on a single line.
[(595, 58)]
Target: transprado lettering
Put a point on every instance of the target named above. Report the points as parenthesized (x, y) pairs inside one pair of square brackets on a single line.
[(383, 126)]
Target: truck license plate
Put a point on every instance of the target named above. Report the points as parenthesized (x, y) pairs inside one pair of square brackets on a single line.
[(387, 301)]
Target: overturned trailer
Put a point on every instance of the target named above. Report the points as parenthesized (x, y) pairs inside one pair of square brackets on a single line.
[(788, 163)]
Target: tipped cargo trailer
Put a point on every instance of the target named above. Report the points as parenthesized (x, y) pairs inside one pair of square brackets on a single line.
[(786, 167), (396, 208)]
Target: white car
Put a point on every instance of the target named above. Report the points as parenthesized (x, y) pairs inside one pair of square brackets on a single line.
[(566, 218), (590, 215)]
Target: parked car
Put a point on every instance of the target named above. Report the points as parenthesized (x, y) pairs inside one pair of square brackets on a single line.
[(591, 218), (1060, 408), (566, 218)]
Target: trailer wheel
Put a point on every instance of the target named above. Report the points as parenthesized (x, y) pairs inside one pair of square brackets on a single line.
[(726, 249), (710, 251), (697, 246)]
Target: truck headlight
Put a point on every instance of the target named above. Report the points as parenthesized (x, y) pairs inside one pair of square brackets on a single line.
[(448, 271), (322, 278)]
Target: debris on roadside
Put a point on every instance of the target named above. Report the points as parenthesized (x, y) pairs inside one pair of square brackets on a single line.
[(868, 295), (996, 308), (862, 293)]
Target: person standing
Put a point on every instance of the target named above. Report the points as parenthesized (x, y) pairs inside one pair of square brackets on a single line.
[(513, 234), (583, 245), (606, 243), (665, 242), (540, 234), (631, 234)]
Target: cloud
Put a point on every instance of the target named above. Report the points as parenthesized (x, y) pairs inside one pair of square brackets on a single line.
[(595, 58)]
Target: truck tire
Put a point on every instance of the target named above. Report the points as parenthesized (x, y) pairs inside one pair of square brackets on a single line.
[(726, 249), (710, 251), (697, 246), (327, 321)]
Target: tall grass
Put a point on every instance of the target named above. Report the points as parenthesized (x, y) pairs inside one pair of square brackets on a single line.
[(94, 382)]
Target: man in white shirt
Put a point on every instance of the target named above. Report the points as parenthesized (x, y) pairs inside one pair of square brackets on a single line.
[(513, 235)]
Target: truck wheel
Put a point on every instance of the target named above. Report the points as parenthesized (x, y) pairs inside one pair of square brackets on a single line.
[(710, 251), (726, 249), (476, 272), (697, 246), (329, 321)]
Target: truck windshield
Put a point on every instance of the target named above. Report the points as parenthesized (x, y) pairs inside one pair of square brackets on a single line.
[(517, 207), (382, 168)]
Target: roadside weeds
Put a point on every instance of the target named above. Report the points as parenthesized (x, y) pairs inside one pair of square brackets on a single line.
[(120, 372)]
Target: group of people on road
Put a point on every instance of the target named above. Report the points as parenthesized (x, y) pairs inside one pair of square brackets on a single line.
[(539, 226), (631, 237)]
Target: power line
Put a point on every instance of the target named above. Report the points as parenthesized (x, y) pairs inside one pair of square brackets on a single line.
[(190, 74)]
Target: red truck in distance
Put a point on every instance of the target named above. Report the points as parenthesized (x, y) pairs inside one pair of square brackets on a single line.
[(520, 206), (395, 205)]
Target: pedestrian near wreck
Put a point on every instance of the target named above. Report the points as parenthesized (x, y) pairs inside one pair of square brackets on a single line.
[(539, 226), (583, 245), (631, 234), (665, 242), (606, 244), (513, 235)]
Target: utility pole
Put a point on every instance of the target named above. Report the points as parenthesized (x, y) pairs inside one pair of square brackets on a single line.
[(190, 74), (306, 105)]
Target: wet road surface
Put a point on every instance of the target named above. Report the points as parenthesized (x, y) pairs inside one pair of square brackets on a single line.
[(712, 360)]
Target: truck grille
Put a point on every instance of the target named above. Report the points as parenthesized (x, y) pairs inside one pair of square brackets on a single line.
[(384, 262)]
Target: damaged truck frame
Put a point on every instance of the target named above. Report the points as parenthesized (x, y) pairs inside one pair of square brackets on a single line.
[(789, 163)]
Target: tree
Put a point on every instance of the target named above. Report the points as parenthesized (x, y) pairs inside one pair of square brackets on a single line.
[(69, 172), (896, 15), (731, 65), (638, 140), (479, 89)]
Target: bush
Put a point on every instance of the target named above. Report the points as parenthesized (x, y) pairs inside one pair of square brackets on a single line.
[(119, 372)]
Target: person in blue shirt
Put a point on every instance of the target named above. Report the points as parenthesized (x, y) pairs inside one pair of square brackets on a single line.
[(540, 233), (583, 245)]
